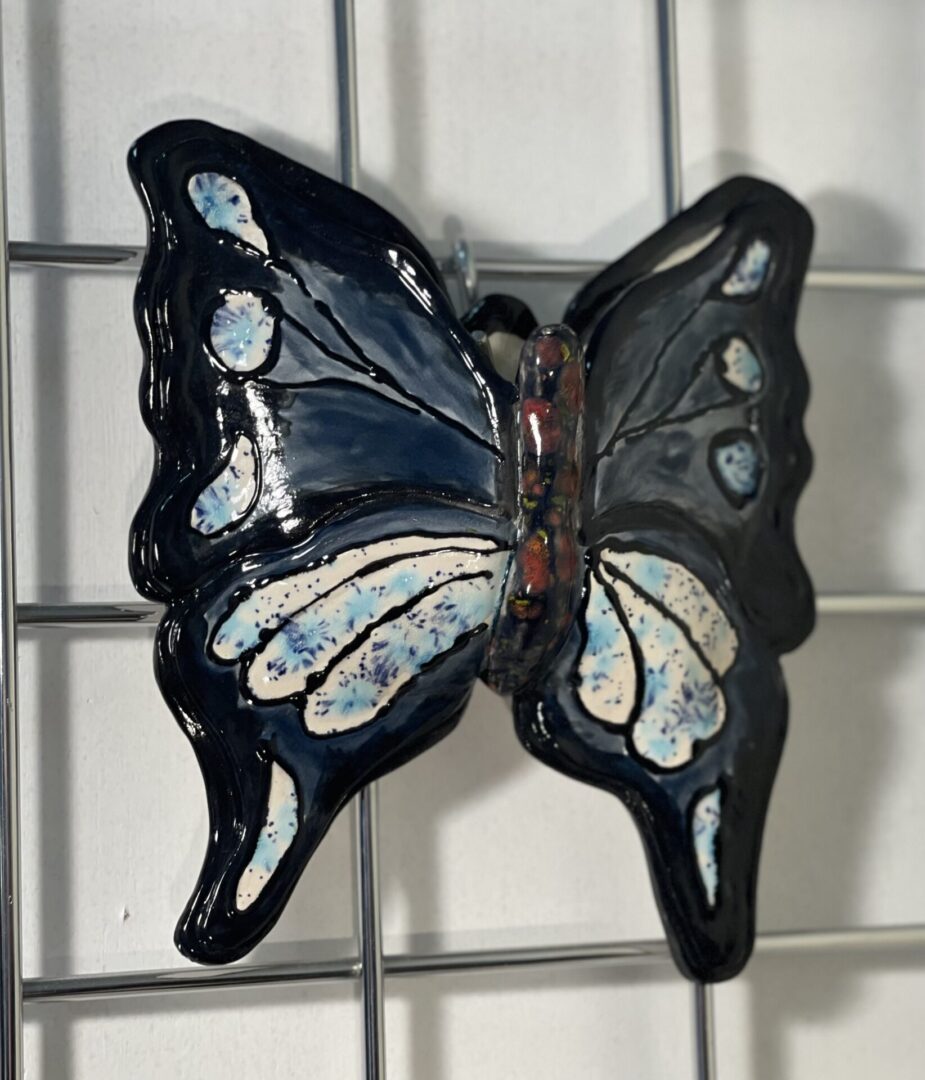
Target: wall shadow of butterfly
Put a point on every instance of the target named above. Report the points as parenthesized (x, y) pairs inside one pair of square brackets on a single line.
[(353, 517)]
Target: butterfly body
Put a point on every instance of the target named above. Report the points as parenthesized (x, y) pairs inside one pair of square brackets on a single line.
[(543, 583), (353, 517)]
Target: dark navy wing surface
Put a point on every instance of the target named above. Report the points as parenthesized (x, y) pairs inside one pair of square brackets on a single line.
[(326, 519), (697, 391), (302, 316), (668, 691)]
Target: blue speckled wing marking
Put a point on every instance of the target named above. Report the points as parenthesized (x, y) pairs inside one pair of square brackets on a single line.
[(329, 662), (326, 522), (280, 825), (668, 691), (656, 648), (344, 638), (230, 497)]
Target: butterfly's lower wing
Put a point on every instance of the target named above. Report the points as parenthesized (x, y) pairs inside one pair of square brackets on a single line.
[(668, 691), (632, 708), (325, 519), (302, 675)]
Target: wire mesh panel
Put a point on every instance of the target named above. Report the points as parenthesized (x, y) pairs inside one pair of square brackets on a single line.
[(365, 964)]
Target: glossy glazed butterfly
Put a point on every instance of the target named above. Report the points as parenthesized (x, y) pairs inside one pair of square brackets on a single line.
[(353, 517)]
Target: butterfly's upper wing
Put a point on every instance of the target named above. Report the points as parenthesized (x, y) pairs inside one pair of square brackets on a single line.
[(325, 520), (275, 299), (668, 690)]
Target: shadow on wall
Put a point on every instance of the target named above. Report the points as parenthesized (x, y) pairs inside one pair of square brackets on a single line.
[(832, 771), (833, 766), (53, 502)]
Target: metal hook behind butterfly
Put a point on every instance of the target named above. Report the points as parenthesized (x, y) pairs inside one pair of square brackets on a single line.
[(467, 274)]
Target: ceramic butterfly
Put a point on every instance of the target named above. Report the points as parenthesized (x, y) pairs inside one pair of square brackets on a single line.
[(353, 517)]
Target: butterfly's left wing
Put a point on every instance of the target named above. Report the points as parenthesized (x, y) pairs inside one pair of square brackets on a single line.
[(326, 519), (668, 691)]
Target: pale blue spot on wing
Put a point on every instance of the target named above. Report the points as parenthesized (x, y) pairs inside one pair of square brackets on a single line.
[(750, 271), (367, 679), (686, 598), (742, 368), (279, 829), (271, 605), (606, 670), (705, 826), (224, 205), (738, 466), (242, 331), (228, 499), (311, 639)]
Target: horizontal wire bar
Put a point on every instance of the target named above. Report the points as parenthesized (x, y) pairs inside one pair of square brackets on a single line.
[(176, 980), (75, 256), (127, 257), (141, 613), (629, 953), (898, 603), (132, 613)]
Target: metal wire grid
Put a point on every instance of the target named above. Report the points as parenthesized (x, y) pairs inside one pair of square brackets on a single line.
[(370, 965)]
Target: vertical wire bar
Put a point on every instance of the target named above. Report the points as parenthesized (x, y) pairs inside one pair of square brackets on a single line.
[(347, 108), (11, 1064), (369, 921), (371, 933), (704, 1029), (704, 1021), (670, 113)]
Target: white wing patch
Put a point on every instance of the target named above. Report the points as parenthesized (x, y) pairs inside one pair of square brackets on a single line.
[(313, 637), (741, 368), (368, 678), (224, 205), (273, 604), (686, 597), (607, 671), (685, 644), (230, 497), (279, 828), (687, 252), (346, 635)]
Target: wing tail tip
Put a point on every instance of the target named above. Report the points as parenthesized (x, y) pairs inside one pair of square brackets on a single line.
[(204, 943)]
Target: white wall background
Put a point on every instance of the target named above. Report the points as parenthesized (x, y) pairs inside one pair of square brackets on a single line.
[(534, 124)]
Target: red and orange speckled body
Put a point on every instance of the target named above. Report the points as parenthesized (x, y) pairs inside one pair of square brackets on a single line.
[(543, 584)]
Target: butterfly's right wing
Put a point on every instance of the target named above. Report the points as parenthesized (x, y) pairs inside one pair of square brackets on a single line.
[(668, 691)]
